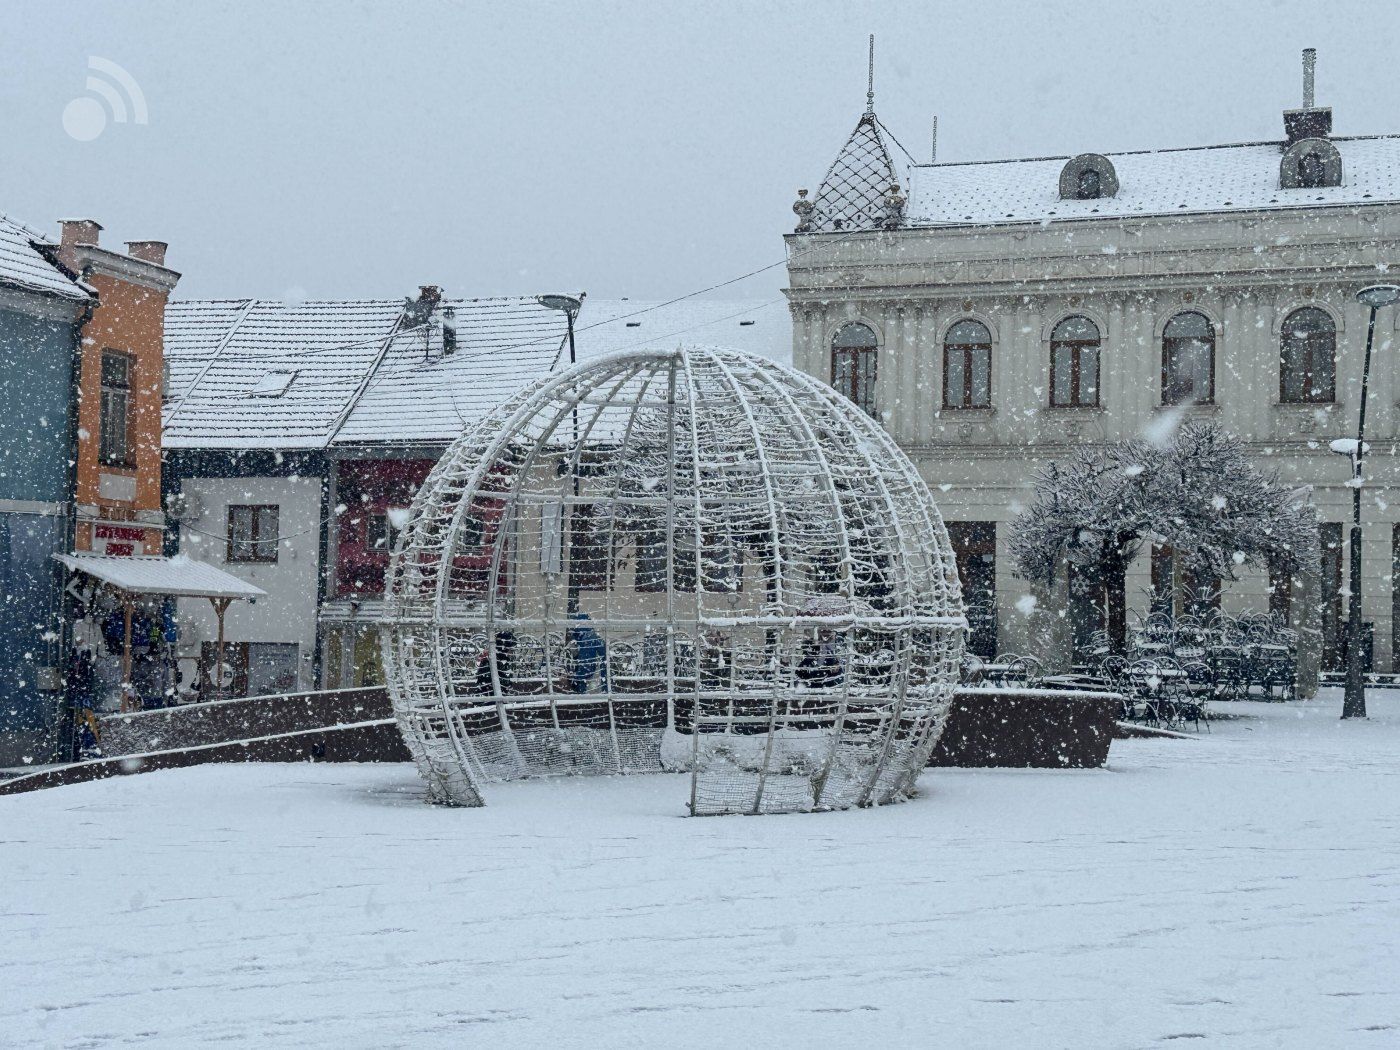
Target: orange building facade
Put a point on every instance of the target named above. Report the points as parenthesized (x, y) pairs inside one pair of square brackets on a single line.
[(121, 378)]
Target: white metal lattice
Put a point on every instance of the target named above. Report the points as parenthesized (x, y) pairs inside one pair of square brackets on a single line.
[(695, 559)]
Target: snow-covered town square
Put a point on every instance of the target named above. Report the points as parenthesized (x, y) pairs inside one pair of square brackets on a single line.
[(700, 525), (1237, 890)]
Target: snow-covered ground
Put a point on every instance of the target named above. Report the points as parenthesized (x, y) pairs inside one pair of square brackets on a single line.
[(1242, 889)]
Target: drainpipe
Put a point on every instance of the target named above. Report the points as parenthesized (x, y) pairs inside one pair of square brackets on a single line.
[(66, 743)]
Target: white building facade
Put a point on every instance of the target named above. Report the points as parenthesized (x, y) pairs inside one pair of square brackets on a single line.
[(270, 643), (1003, 314)]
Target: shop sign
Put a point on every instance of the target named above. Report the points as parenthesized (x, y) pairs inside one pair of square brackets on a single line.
[(121, 541)]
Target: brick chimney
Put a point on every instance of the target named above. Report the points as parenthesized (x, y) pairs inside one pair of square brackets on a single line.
[(78, 231), (148, 251)]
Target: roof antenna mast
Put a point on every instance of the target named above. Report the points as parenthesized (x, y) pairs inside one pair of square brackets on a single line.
[(870, 79)]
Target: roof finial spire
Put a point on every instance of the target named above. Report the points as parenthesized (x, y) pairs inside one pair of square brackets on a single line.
[(870, 79)]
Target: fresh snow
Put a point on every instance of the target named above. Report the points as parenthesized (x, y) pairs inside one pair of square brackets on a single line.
[(1236, 889), (1169, 182)]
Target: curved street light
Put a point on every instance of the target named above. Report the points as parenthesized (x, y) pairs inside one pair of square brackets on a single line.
[(1354, 699), (570, 307)]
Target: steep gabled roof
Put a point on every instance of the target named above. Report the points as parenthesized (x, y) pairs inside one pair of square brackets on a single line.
[(420, 394), (1202, 179), (23, 265), (250, 374), (220, 351), (852, 196)]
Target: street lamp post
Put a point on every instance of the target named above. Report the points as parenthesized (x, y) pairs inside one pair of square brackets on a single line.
[(570, 307), (1354, 700)]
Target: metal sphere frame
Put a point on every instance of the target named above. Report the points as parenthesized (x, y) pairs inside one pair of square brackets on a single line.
[(694, 559)]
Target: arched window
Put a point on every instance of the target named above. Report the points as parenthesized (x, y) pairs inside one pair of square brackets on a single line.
[(1074, 363), (853, 359), (1308, 364), (1188, 360), (1090, 185), (1312, 173), (967, 366)]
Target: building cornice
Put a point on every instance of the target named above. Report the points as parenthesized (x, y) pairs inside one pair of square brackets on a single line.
[(802, 243), (92, 259), (1260, 249), (41, 306), (36, 507), (1012, 278)]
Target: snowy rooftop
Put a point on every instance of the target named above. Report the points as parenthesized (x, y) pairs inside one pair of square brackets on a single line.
[(219, 351), (23, 265), (1163, 182), (264, 374), (418, 393)]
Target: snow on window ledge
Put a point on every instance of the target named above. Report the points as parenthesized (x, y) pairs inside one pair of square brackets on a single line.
[(1199, 407), (963, 411)]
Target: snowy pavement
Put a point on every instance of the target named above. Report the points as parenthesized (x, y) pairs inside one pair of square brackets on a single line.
[(1239, 890)]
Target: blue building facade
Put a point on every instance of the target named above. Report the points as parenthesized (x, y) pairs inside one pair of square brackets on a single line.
[(42, 310)]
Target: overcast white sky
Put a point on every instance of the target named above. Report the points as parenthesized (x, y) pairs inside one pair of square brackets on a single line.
[(630, 149)]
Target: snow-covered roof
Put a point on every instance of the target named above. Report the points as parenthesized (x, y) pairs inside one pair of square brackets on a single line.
[(420, 394), (152, 574), (221, 352), (1162, 182), (24, 266), (359, 379)]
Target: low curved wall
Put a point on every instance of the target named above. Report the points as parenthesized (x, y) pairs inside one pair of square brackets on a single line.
[(987, 728), (222, 721)]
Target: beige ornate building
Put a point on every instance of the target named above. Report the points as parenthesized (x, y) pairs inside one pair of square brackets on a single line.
[(996, 315)]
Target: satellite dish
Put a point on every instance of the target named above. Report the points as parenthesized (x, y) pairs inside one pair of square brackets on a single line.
[(184, 507)]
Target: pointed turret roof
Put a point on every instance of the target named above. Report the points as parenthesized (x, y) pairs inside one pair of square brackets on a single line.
[(852, 196)]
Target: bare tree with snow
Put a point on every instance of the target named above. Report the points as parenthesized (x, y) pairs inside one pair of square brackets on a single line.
[(1196, 491)]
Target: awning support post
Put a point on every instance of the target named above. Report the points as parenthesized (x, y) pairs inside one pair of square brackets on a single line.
[(220, 607), (128, 691)]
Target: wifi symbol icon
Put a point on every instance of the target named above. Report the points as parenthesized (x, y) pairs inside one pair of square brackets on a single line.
[(111, 88)]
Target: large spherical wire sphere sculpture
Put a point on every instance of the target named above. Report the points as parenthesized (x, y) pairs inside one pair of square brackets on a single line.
[(692, 560)]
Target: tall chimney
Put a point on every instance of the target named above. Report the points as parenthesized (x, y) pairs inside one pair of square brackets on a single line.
[(147, 251), (1312, 121)]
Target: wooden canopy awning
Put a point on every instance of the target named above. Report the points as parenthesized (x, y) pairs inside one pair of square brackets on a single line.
[(180, 577)]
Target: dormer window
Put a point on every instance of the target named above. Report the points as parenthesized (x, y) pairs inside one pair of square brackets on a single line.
[(1310, 164), (1088, 177)]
